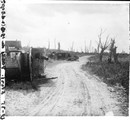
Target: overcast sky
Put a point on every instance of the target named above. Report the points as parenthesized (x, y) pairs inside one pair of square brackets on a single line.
[(38, 23)]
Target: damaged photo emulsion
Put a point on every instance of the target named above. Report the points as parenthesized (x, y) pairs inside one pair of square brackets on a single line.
[(67, 59)]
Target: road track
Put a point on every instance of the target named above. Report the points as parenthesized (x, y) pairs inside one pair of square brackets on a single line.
[(73, 92), (76, 92)]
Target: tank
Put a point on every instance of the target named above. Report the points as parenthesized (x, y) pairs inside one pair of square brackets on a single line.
[(17, 66), (17, 62), (23, 65)]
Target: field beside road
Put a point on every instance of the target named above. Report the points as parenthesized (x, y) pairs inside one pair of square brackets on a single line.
[(112, 73), (115, 75)]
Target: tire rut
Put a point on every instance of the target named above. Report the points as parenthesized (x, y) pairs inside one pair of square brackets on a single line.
[(53, 95)]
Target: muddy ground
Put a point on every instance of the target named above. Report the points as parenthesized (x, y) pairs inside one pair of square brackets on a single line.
[(70, 91)]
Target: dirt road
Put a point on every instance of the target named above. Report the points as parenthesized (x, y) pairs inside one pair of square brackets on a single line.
[(73, 92)]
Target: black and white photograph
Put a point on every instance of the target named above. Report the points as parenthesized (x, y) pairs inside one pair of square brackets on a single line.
[(66, 59)]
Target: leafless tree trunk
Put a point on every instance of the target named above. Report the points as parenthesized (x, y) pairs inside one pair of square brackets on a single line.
[(101, 54), (95, 50), (113, 52), (72, 46), (102, 46), (115, 55), (54, 43), (90, 46), (48, 45), (85, 49), (59, 46)]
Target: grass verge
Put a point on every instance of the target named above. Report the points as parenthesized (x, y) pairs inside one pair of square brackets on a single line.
[(113, 74)]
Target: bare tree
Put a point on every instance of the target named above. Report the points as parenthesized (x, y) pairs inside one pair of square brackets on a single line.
[(99, 40), (85, 49), (72, 46), (103, 48), (90, 45), (55, 43), (115, 54), (48, 44), (59, 46), (101, 45), (112, 52)]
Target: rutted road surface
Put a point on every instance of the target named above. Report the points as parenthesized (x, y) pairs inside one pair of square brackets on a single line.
[(73, 92)]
